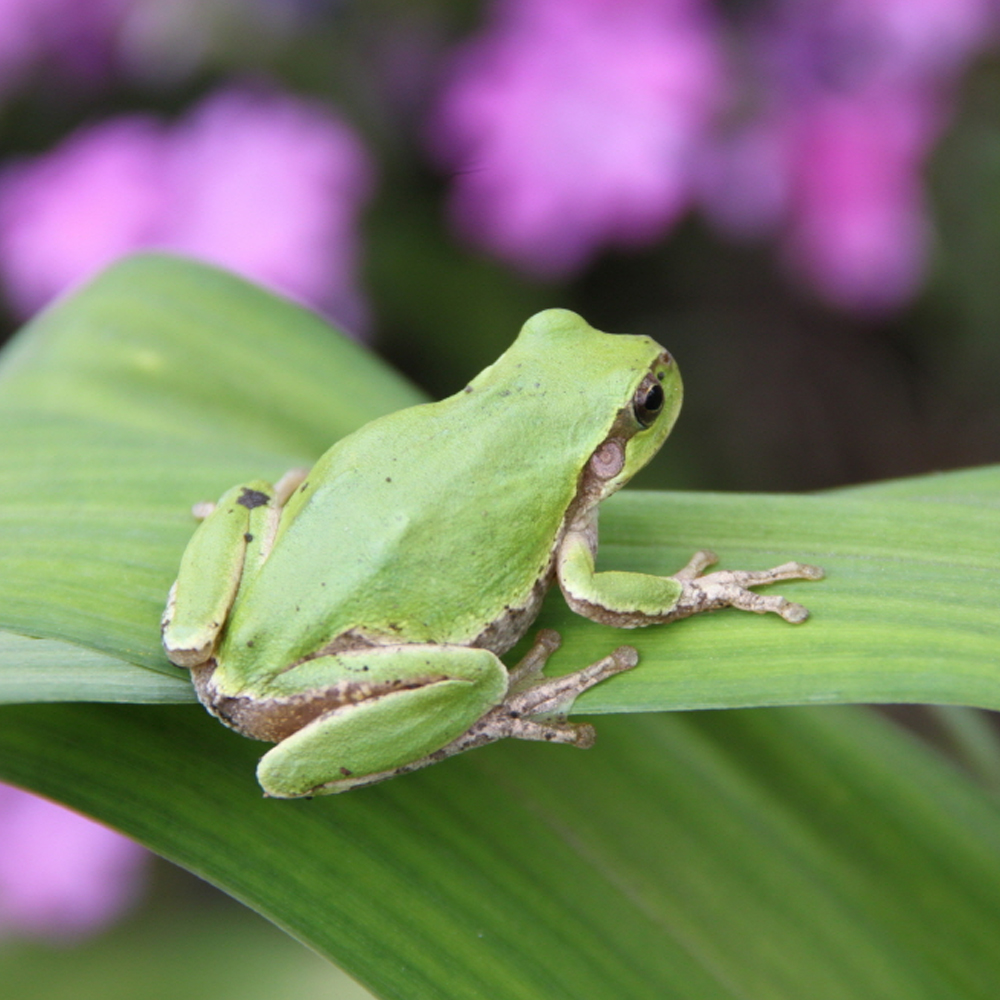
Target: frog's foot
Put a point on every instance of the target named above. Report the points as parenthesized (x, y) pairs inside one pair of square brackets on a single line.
[(730, 588), (535, 709), (283, 489), (288, 484)]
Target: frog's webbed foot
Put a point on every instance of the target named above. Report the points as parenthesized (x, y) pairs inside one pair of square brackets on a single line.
[(730, 588), (535, 709)]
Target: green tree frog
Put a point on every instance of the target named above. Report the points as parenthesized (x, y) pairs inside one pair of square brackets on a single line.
[(355, 613)]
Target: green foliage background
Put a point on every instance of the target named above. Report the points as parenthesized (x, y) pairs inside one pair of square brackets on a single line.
[(779, 853)]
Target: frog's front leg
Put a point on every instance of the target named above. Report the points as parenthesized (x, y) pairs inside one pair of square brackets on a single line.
[(630, 600), (362, 716), (235, 534)]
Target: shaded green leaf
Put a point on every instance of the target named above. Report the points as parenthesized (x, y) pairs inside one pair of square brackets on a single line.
[(159, 385), (779, 854), (165, 382)]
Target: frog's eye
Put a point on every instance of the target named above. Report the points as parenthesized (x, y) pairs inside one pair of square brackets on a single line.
[(648, 402)]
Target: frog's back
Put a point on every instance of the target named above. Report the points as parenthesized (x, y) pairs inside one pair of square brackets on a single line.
[(429, 523)]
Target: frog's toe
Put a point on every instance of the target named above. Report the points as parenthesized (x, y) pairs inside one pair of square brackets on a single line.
[(793, 612)]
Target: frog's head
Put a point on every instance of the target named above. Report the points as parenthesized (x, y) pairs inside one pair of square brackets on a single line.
[(630, 386), (645, 421)]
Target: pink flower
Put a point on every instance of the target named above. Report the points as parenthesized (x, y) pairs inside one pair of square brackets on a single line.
[(271, 187), (858, 228), (61, 875), (852, 95), (852, 45), (574, 124), (68, 213), (267, 185)]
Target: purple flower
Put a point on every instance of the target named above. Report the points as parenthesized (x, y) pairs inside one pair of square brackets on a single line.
[(858, 229), (70, 212), (848, 46), (267, 185), (271, 187), (851, 96), (61, 874), (72, 37), (575, 124)]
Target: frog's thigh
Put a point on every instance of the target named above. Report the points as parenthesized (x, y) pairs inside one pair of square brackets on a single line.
[(420, 698), (211, 569)]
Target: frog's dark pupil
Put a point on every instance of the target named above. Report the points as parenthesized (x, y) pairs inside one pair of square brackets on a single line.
[(648, 402)]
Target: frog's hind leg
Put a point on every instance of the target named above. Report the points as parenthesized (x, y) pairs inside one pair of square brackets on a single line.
[(384, 711), (362, 715), (414, 705)]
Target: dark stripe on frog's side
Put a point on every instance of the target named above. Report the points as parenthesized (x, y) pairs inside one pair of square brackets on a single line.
[(274, 719)]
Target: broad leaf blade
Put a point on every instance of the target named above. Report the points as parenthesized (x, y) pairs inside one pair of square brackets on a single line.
[(49, 670), (979, 487), (717, 854), (173, 348), (161, 384), (790, 854), (165, 382), (909, 611)]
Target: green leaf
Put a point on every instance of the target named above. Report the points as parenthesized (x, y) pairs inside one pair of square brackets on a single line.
[(159, 385), (800, 853), (909, 610), (165, 382), (49, 670), (978, 487), (792, 853)]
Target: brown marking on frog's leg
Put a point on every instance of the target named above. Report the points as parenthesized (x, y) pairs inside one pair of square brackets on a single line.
[(536, 713), (275, 718)]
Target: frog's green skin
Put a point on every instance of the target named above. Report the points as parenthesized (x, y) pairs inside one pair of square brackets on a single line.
[(355, 615)]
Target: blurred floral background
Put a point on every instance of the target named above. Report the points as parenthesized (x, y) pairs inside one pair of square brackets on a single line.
[(800, 198)]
